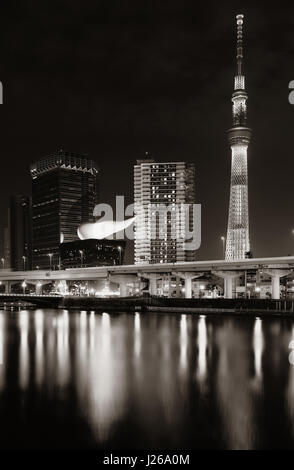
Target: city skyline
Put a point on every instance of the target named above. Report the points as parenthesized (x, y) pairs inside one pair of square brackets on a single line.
[(182, 115), (146, 230)]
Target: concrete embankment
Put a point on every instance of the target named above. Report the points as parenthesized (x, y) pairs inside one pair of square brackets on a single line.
[(175, 305)]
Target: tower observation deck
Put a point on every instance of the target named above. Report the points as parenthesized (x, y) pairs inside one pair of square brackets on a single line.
[(237, 241)]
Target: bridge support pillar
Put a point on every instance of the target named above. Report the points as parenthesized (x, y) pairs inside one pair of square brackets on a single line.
[(152, 282), (276, 274), (123, 281), (38, 288), (228, 277), (178, 286), (228, 287), (122, 289), (188, 277), (188, 287)]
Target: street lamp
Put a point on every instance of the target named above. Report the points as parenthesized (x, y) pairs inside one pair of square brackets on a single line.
[(119, 249), (82, 257), (50, 260), (24, 284), (3, 263), (223, 239), (24, 258)]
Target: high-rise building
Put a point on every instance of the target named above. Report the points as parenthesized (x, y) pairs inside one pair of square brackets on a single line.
[(160, 234), (64, 194), (237, 242), (6, 249), (20, 232)]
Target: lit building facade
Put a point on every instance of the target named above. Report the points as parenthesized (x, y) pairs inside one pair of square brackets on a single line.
[(160, 234), (20, 229), (237, 241), (91, 252), (64, 194)]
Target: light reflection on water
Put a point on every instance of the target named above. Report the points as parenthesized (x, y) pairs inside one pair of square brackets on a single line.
[(84, 379), (202, 346), (2, 350)]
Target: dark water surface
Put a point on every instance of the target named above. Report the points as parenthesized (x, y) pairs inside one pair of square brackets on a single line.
[(89, 380)]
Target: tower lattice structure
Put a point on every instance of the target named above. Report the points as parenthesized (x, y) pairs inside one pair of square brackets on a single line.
[(237, 241)]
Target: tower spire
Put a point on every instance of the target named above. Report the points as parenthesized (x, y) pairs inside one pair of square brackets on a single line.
[(239, 135), (239, 19)]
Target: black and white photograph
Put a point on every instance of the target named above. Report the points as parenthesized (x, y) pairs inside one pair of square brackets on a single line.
[(146, 230)]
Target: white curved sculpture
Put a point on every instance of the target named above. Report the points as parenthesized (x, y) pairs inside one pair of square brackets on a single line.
[(99, 230)]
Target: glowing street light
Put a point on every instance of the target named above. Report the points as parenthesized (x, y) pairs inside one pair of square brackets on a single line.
[(82, 257), (257, 290), (24, 258), (119, 249), (223, 239), (3, 263), (24, 284), (50, 259)]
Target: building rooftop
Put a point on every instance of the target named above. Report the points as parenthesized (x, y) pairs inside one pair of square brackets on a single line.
[(66, 160)]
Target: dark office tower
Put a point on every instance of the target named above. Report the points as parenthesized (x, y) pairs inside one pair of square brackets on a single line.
[(20, 232), (65, 192), (5, 248)]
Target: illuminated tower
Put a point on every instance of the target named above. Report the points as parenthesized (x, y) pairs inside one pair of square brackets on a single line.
[(239, 137)]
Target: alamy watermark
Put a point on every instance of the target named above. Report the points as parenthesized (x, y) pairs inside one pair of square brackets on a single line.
[(178, 222), (291, 94)]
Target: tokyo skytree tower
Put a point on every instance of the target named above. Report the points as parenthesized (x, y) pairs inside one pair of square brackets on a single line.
[(237, 242)]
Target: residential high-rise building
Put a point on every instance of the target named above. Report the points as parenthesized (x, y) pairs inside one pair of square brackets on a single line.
[(64, 194), (161, 233), (20, 232), (237, 242)]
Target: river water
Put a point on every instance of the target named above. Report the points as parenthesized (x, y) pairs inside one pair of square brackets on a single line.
[(98, 381)]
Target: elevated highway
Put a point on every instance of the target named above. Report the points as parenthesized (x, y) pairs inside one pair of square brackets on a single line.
[(275, 267)]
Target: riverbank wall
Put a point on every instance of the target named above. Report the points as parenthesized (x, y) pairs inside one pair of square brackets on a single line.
[(179, 305)]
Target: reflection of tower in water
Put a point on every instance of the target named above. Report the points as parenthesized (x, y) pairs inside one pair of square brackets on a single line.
[(258, 347), (234, 395)]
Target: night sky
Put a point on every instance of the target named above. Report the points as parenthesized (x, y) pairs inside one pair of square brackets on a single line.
[(114, 79)]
